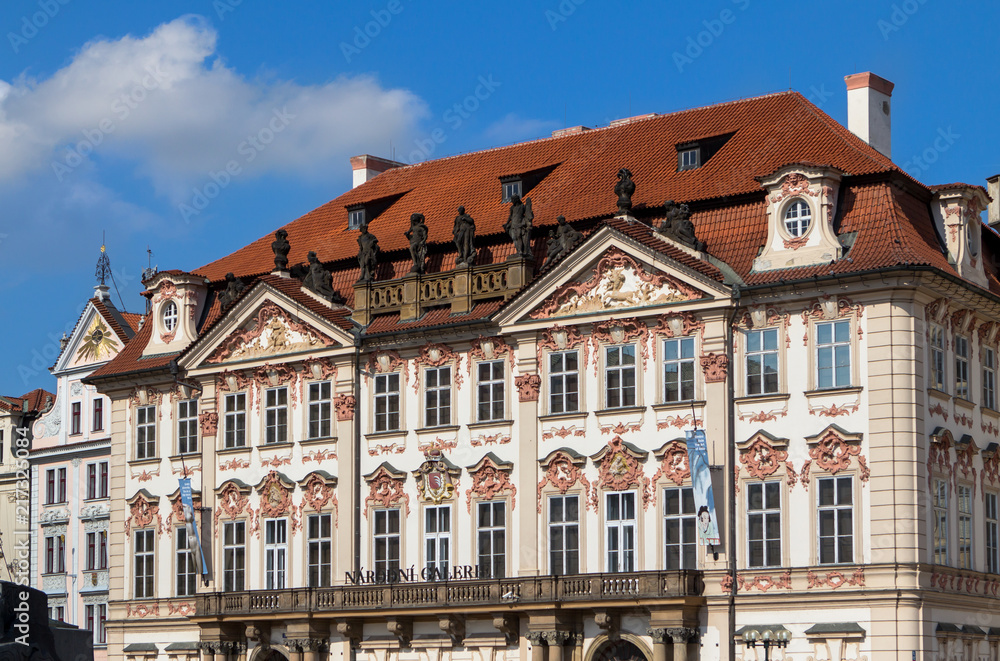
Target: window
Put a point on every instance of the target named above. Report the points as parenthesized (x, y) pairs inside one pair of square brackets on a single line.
[(940, 549), (564, 535), (320, 550), (797, 218), (97, 480), (619, 376), (57, 613), (97, 550), (688, 159), (762, 361), (619, 528), (170, 316), (143, 550), (937, 357), (510, 189), (55, 486), (75, 422), (989, 378), (992, 543), (833, 354), (678, 370), (355, 218), (275, 553), (437, 540), (492, 539), (236, 420), (564, 382), (55, 554), (233, 555), (386, 544), (963, 493), (835, 509), (961, 367), (320, 409), (680, 529), (276, 415), (764, 524), (97, 614), (490, 390), (187, 426), (98, 417), (145, 432), (387, 402), (187, 573), (437, 396)]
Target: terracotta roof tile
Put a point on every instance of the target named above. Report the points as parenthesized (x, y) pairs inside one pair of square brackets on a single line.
[(130, 360)]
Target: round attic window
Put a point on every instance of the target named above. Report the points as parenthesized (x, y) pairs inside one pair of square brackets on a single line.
[(170, 316), (798, 216)]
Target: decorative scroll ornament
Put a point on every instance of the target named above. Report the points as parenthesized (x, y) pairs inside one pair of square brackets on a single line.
[(275, 496), (434, 477), (965, 450), (832, 452), (673, 464), (678, 324), (386, 489), (321, 369), (619, 331), (344, 405), (385, 361), (490, 348), (491, 478), (271, 332), (435, 355), (619, 282), (142, 512), (561, 338), (714, 366), (177, 508), (939, 455), (619, 468), (563, 471), (991, 466), (209, 421), (318, 492), (761, 458), (232, 501), (528, 386)]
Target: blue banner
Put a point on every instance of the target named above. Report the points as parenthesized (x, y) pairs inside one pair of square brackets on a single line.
[(701, 481), (192, 528)]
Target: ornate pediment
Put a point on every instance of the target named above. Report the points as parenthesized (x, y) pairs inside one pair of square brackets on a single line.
[(270, 332), (618, 282)]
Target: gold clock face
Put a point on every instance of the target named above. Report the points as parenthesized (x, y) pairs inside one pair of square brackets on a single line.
[(97, 343)]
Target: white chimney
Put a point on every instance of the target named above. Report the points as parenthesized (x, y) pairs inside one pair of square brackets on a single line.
[(869, 109), (993, 189), (366, 167)]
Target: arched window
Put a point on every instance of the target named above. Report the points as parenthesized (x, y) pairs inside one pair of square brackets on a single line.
[(797, 218), (170, 316)]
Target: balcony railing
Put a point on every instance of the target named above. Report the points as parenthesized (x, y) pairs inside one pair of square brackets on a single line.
[(531, 592)]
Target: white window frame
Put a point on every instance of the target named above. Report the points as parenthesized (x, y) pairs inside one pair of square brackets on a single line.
[(437, 396), (509, 189), (97, 550), (234, 555), (680, 529), (144, 565), (622, 395), (320, 410), (319, 549), (568, 553), (276, 415), (145, 432), (992, 532), (387, 402), (170, 316), (275, 554), (76, 418), (796, 222), (830, 352), (767, 513), (939, 530), (679, 369), (564, 382), (437, 541), (843, 540), (55, 554), (97, 480), (355, 218), (97, 615), (963, 502), (185, 570), (620, 531), (490, 391), (962, 367), (235, 420), (937, 341), (386, 543), (757, 342), (187, 426), (989, 378), (491, 539), (690, 159)]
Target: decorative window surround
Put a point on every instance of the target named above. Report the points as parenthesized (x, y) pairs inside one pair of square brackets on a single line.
[(956, 212)]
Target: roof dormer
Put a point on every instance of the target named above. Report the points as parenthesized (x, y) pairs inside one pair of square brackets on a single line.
[(956, 209), (177, 300), (801, 203)]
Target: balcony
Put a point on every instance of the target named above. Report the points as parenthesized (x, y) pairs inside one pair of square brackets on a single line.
[(529, 593)]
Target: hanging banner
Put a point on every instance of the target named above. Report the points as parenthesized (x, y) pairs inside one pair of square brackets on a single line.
[(187, 504), (701, 481)]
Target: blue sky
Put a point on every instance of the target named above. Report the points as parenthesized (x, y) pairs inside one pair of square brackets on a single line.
[(117, 116)]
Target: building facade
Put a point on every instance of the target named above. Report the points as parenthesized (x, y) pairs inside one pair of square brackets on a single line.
[(479, 449)]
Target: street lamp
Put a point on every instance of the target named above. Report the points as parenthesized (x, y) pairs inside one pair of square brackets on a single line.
[(777, 638)]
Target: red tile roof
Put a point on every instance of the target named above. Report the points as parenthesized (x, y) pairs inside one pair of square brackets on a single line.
[(130, 358), (38, 400)]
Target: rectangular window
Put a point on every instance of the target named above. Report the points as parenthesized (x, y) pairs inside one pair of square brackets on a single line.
[(187, 573), (678, 370), (145, 432), (98, 414), (75, 421), (688, 159), (236, 420), (989, 378), (276, 415), (992, 545), (355, 219), (940, 494), (275, 553), (97, 614), (762, 361), (492, 539), (386, 543), (437, 396), (680, 528), (97, 550), (437, 540), (57, 613), (833, 354), (619, 376), (835, 510), (91, 481), (233, 555), (320, 409), (490, 390), (143, 550), (187, 426), (510, 189), (963, 493), (102, 479), (619, 528), (50, 486), (961, 367), (320, 550), (564, 382), (764, 524), (564, 535), (55, 554), (937, 357), (387, 402), (60, 485)]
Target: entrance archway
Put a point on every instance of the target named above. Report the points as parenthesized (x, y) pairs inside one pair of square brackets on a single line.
[(270, 654), (620, 650)]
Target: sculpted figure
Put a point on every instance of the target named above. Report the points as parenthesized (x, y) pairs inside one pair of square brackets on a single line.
[(465, 236), (624, 190), (417, 234), (554, 248), (519, 226), (564, 238), (280, 248), (367, 254), (678, 226), (233, 288), (318, 279)]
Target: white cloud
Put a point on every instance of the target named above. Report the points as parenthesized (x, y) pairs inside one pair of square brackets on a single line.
[(514, 128)]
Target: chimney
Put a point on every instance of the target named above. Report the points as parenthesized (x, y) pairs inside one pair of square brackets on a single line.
[(869, 113), (993, 189), (366, 167)]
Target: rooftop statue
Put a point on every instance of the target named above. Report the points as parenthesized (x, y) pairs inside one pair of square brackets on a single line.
[(677, 225), (281, 248), (518, 226), (465, 237), (233, 288), (318, 279), (417, 234), (367, 254), (562, 239), (624, 190)]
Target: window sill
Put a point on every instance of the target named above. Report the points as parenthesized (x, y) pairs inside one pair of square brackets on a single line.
[(620, 410), (236, 450), (56, 503), (939, 394), (267, 447), (555, 417), (490, 423), (438, 430), (95, 498), (986, 410), (679, 406), (844, 390), (386, 434), (320, 440), (965, 404), (769, 397), (186, 455), (148, 461)]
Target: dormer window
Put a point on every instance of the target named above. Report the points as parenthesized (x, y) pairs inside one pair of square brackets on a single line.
[(355, 218), (688, 159), (798, 216), (694, 154), (510, 189), (170, 316)]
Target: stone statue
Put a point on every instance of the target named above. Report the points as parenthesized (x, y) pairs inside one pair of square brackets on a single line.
[(367, 254), (562, 239), (281, 248), (518, 226), (233, 288), (465, 237), (318, 279), (624, 190), (677, 225), (554, 248), (417, 234)]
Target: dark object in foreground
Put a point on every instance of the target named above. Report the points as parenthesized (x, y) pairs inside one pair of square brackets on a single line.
[(27, 633)]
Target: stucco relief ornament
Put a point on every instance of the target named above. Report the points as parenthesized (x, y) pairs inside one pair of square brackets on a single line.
[(141, 514), (434, 478), (762, 459), (344, 405), (619, 469), (561, 338), (209, 421), (618, 331), (833, 454), (991, 466), (177, 508), (490, 348), (673, 464), (383, 362), (317, 493), (98, 341), (489, 481), (714, 366), (794, 184), (528, 386), (275, 497), (434, 354), (563, 472), (677, 324), (385, 490), (232, 501), (321, 369), (939, 456), (270, 332)]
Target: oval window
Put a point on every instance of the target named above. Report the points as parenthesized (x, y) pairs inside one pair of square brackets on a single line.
[(170, 316), (797, 218)]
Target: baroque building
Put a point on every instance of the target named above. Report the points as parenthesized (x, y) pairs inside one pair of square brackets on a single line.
[(476, 436)]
